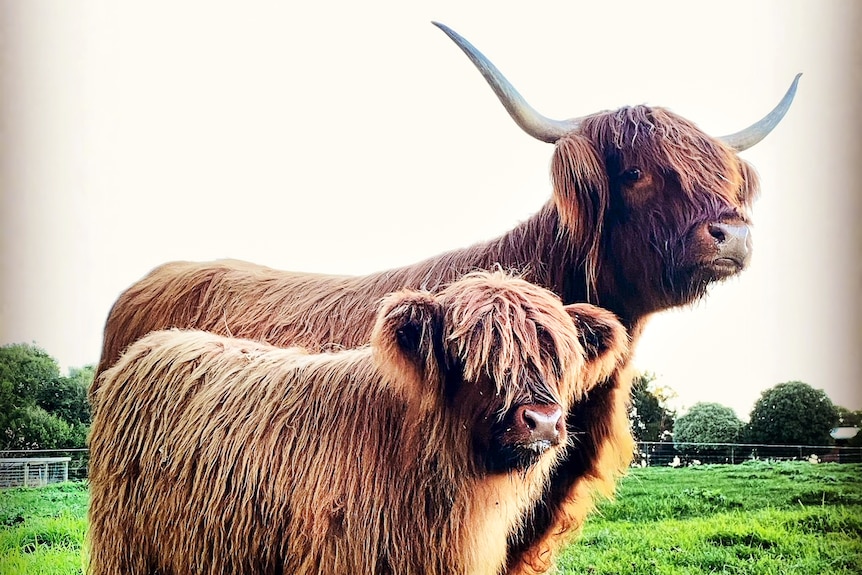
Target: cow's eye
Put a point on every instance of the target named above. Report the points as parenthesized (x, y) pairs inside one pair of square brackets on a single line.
[(630, 176)]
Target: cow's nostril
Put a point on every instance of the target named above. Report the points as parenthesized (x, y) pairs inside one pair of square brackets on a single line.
[(718, 232), (727, 233)]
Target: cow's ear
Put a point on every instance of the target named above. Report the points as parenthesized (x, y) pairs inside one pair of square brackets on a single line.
[(405, 334), (750, 186), (603, 338), (581, 194)]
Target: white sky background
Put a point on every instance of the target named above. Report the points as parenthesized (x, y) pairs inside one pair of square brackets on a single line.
[(349, 137)]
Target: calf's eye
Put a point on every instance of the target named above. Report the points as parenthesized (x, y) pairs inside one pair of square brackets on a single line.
[(630, 176)]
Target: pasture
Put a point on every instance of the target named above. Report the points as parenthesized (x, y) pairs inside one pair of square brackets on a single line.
[(757, 518)]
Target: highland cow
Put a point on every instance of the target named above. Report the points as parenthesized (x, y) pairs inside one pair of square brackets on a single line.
[(417, 454), (647, 211)]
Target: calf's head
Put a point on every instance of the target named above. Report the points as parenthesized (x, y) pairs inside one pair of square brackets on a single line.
[(502, 358)]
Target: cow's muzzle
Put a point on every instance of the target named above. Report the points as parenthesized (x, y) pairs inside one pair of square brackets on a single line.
[(733, 245)]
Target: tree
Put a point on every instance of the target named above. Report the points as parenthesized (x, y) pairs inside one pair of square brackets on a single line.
[(650, 419), (66, 397), (39, 409), (847, 418), (707, 423), (792, 413), (25, 370), (32, 427)]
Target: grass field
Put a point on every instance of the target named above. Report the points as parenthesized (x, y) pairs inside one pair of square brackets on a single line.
[(42, 529), (752, 519)]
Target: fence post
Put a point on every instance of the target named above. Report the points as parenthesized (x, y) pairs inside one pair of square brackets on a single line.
[(26, 472), (731, 455)]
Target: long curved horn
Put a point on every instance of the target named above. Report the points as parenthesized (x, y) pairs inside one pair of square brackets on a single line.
[(532, 122), (548, 130), (751, 135)]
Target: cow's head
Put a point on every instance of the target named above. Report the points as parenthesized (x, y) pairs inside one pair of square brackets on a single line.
[(655, 209), (502, 357)]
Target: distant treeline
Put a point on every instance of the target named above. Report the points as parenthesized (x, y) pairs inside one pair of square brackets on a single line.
[(789, 413)]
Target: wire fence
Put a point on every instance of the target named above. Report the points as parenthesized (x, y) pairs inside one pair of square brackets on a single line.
[(36, 467), (45, 466), (679, 454)]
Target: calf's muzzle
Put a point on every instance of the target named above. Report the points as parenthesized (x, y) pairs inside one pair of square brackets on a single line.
[(540, 424)]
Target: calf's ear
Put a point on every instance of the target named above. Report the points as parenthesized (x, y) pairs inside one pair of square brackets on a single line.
[(406, 334), (603, 337)]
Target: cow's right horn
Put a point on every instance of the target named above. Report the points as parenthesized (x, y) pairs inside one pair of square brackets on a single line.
[(532, 122)]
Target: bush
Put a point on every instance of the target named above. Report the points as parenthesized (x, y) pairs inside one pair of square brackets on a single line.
[(706, 423), (34, 428), (793, 413)]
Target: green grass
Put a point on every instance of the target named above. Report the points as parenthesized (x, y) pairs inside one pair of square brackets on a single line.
[(749, 519), (42, 529)]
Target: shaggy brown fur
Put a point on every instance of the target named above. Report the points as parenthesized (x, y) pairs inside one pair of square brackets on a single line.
[(632, 246), (218, 455), (635, 193)]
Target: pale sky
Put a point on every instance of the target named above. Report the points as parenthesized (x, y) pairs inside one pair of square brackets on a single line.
[(349, 137)]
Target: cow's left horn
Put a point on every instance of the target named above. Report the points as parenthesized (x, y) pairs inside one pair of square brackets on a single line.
[(532, 122), (751, 135)]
